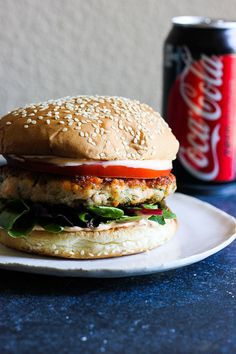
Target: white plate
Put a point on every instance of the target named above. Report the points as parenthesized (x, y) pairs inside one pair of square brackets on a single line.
[(203, 231)]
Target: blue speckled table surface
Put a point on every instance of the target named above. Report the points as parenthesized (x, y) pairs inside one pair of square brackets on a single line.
[(189, 310)]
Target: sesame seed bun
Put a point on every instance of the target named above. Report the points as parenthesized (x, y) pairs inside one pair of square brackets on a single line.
[(94, 244), (84, 127)]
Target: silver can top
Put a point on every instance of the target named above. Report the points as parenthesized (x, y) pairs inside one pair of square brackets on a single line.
[(203, 22)]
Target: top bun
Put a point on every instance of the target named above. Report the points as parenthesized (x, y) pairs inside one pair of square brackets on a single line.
[(88, 127)]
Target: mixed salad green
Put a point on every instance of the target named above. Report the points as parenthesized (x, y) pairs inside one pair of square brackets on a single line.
[(19, 217)]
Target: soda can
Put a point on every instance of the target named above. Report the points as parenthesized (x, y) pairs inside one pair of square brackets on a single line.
[(199, 102)]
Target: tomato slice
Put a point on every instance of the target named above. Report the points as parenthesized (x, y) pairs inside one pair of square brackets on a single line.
[(98, 170)]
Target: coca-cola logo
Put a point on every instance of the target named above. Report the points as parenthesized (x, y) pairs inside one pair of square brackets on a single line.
[(199, 86)]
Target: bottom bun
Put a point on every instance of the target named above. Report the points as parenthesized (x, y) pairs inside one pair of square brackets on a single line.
[(83, 244)]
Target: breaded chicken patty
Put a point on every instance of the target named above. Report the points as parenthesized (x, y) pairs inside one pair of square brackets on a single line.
[(74, 191)]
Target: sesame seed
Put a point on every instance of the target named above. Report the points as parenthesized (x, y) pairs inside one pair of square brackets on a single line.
[(43, 108), (48, 121), (61, 122), (34, 122), (81, 133), (8, 123), (70, 123), (29, 120), (65, 129), (26, 126), (40, 117)]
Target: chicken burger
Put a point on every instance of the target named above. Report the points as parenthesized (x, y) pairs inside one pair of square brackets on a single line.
[(86, 177)]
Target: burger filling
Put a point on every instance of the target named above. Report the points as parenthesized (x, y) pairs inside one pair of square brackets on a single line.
[(53, 202)]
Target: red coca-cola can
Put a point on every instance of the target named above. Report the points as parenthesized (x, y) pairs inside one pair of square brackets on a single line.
[(199, 102)]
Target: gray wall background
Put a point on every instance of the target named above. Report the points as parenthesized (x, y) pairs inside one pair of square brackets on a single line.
[(53, 48)]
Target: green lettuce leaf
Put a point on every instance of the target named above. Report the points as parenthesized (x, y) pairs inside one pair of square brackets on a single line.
[(107, 212), (157, 218), (167, 213), (23, 226), (127, 219), (150, 206), (84, 217), (50, 227), (11, 212)]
